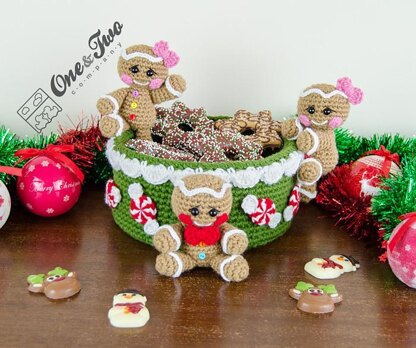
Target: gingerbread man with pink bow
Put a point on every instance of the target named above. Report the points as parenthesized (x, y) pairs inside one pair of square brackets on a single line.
[(321, 109), (145, 70)]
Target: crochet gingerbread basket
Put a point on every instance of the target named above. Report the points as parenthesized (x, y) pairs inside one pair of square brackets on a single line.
[(263, 190)]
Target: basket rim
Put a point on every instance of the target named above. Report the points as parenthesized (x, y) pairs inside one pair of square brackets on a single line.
[(289, 147)]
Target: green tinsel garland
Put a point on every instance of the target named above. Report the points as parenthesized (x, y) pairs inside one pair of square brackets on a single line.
[(398, 197), (10, 143), (399, 193), (351, 146)]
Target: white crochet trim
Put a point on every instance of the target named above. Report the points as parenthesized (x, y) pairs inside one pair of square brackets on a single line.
[(223, 263), (173, 234), (120, 122), (299, 127), (128, 56), (114, 101), (135, 190), (322, 94), (308, 194), (242, 178), (151, 227), (249, 204), (315, 141), (170, 88), (307, 183), (227, 235), (275, 220), (207, 190), (180, 264), (288, 213)]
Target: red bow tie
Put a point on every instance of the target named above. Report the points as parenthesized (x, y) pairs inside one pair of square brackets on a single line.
[(202, 235)]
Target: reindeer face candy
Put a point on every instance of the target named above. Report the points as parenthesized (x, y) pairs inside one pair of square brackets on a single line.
[(57, 284), (315, 299)]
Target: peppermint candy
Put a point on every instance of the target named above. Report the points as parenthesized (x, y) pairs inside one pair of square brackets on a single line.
[(143, 209), (293, 206), (112, 194), (262, 211)]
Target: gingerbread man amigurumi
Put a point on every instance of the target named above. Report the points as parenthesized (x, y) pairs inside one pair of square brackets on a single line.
[(203, 238), (321, 109), (145, 70)]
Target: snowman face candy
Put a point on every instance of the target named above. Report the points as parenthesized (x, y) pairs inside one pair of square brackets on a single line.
[(129, 310), (332, 267)]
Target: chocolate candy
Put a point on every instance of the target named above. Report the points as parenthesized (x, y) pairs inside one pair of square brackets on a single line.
[(56, 284)]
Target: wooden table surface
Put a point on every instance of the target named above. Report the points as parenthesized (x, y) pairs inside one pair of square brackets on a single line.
[(197, 309)]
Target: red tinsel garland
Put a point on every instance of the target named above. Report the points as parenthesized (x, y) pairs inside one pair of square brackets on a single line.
[(339, 193), (87, 140)]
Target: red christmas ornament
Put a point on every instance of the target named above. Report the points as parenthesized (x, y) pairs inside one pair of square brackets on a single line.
[(50, 183), (368, 170), (401, 250)]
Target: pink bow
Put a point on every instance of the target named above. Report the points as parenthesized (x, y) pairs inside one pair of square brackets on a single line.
[(354, 94), (170, 58)]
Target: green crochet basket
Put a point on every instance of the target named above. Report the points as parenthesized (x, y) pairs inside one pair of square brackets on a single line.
[(272, 177)]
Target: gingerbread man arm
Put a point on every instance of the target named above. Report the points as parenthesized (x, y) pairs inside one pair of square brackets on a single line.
[(173, 88), (110, 103), (291, 129), (233, 241), (168, 238), (307, 141)]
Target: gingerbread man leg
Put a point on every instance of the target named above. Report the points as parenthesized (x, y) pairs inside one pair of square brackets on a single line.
[(310, 171), (230, 267), (173, 264), (144, 133), (307, 193)]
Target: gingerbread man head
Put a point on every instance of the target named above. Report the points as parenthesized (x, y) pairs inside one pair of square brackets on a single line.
[(203, 200), (324, 106), (145, 66)]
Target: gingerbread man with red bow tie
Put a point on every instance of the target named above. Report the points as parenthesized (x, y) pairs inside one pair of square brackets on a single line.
[(203, 237), (145, 70)]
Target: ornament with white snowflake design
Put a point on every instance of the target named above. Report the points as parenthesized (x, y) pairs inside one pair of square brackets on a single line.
[(5, 204), (47, 187), (401, 250)]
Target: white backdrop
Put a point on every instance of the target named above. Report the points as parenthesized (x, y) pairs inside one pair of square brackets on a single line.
[(234, 54)]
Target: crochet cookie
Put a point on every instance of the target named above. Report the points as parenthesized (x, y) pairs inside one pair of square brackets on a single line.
[(129, 310), (191, 130), (321, 109), (145, 70), (202, 238), (153, 149), (315, 299), (333, 267), (260, 128), (58, 284)]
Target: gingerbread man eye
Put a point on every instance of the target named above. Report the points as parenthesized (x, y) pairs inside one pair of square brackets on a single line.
[(150, 72), (50, 279), (134, 69), (311, 110), (194, 211), (327, 111), (213, 212)]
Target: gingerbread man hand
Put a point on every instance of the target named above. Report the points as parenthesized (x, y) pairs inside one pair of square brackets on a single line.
[(168, 238), (234, 241), (305, 142)]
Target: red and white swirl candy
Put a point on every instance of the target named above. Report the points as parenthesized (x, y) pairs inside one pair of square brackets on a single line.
[(143, 209), (112, 194), (262, 211), (293, 206)]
